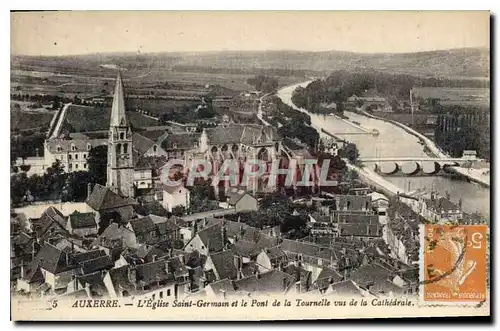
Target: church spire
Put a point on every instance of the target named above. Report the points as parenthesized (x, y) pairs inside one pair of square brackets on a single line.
[(118, 117)]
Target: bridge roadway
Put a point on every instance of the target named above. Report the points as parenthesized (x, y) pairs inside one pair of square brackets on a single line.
[(410, 159)]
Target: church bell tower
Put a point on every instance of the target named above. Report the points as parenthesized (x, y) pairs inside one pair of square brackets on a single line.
[(120, 176)]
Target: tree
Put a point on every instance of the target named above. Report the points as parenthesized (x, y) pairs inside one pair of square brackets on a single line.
[(97, 161), (350, 152), (178, 211)]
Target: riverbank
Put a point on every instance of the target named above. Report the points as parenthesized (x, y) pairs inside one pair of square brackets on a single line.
[(474, 175)]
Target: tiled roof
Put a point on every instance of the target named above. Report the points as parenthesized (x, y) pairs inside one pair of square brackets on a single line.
[(90, 255), (55, 215), (142, 162), (222, 287), (273, 281), (141, 144), (353, 202), (97, 264), (234, 195), (345, 288), (142, 225), (116, 235), (441, 205), (245, 134), (212, 237), (370, 274), (326, 277), (181, 141), (103, 198), (82, 220), (150, 273), (120, 279), (54, 260), (245, 248), (224, 264), (360, 229), (81, 145), (95, 282)]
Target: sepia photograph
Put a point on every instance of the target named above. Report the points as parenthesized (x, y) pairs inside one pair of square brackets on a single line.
[(249, 165)]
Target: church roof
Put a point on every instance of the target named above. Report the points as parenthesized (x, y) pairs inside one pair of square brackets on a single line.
[(141, 144), (118, 117)]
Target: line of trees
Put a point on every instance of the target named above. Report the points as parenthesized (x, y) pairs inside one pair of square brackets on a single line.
[(342, 84), (262, 83)]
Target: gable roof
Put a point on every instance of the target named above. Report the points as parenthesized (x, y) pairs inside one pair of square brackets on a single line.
[(54, 260), (235, 195), (55, 215), (345, 288), (245, 134), (116, 235), (90, 255), (181, 140), (142, 225), (150, 273), (224, 264), (97, 264), (103, 198), (370, 274), (223, 286), (273, 281), (82, 220), (141, 144)]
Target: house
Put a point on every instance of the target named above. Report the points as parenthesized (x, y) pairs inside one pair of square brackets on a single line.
[(51, 266), (211, 239), (144, 229), (271, 258), (241, 200), (175, 196), (347, 288), (110, 206), (154, 280), (442, 210), (270, 282), (82, 224), (52, 223), (222, 264), (115, 238)]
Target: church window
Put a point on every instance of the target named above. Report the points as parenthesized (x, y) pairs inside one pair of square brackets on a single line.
[(85, 165), (73, 148), (122, 135), (76, 156), (118, 148), (76, 166), (125, 148), (69, 156)]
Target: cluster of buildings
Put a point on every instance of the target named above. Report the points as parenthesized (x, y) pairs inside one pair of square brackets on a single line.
[(359, 244), (111, 251)]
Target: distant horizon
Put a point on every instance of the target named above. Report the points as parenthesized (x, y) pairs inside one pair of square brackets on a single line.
[(73, 33), (257, 51)]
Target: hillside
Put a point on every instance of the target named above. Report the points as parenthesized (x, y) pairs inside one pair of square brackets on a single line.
[(463, 63)]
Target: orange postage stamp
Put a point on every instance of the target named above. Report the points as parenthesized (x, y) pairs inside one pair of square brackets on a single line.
[(454, 263)]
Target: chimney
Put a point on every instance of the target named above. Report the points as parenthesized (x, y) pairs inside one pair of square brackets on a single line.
[(89, 189), (23, 271), (75, 282), (132, 274), (224, 233), (195, 227)]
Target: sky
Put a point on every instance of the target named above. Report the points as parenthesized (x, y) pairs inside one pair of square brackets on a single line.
[(83, 32)]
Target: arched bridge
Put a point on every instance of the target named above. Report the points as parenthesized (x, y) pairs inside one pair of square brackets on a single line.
[(412, 166)]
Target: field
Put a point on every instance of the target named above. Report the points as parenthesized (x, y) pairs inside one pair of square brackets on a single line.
[(82, 118), (158, 107), (457, 96)]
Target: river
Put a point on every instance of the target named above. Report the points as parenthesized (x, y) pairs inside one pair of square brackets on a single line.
[(396, 142)]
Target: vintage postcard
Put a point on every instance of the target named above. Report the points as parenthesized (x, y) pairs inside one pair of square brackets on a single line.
[(264, 165)]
